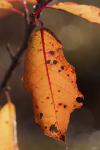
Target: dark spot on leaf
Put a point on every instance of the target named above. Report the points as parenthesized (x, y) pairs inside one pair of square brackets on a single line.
[(48, 61), (55, 62), (52, 44), (59, 70), (40, 115), (65, 106), (68, 75), (62, 137), (72, 70), (56, 110), (47, 97), (60, 104), (79, 99), (45, 127), (58, 90), (62, 67), (51, 52), (53, 128)]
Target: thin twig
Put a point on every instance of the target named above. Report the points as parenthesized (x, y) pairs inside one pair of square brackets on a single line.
[(8, 98), (10, 52), (16, 59)]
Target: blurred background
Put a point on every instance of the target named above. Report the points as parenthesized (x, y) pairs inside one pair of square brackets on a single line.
[(81, 41)]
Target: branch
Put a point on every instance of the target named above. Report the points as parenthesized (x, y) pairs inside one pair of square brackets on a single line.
[(16, 59), (29, 27), (10, 52)]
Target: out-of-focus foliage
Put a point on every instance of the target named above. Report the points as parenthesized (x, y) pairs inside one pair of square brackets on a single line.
[(91, 13), (8, 137)]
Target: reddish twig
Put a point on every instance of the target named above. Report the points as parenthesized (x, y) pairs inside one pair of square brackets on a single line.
[(43, 6), (18, 12), (8, 98)]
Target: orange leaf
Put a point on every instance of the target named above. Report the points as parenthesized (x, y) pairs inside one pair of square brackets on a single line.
[(52, 83), (5, 8), (88, 12), (8, 127), (20, 1), (32, 1)]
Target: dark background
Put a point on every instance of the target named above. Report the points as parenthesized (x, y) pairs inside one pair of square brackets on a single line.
[(81, 41)]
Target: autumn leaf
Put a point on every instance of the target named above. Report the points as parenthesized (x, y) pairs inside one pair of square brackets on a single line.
[(52, 83), (8, 139), (32, 1), (88, 12), (5, 7)]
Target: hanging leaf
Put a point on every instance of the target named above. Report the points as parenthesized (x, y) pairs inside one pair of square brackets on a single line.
[(5, 8), (52, 83), (88, 12), (8, 139)]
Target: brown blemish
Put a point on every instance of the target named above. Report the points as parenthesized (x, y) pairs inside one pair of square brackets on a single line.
[(55, 62), (79, 99), (48, 61), (52, 44), (74, 106), (62, 137), (51, 52), (47, 97), (65, 106), (72, 70), (58, 90), (60, 104), (45, 127), (62, 67), (40, 115), (53, 128), (59, 70), (35, 86)]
